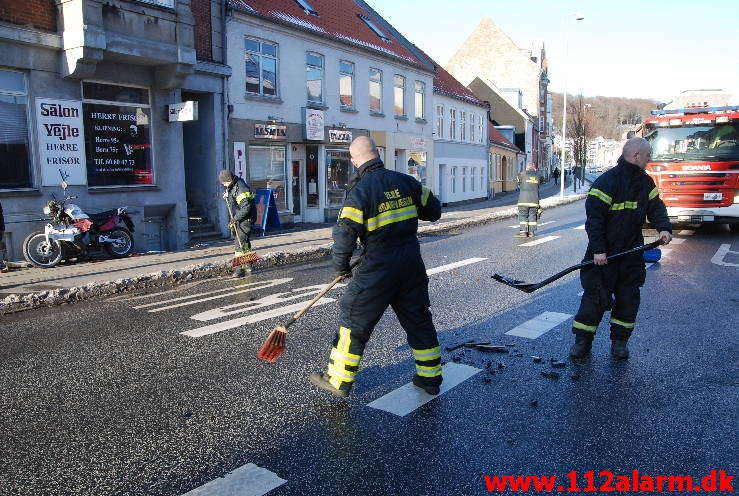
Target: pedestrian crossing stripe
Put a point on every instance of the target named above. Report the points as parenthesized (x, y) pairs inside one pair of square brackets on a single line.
[(248, 480)]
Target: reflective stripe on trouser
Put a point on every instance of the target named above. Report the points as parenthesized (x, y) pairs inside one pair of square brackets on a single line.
[(527, 219), (343, 364), (428, 362), (241, 238)]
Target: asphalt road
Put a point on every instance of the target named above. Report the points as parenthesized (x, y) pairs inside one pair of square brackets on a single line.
[(109, 397)]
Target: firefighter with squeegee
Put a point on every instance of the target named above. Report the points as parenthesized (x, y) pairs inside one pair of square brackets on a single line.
[(382, 210), (616, 207)]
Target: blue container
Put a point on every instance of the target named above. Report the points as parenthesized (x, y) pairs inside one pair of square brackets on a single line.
[(653, 255)]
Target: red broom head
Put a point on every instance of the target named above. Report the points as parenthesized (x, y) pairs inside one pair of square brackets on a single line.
[(274, 345), (244, 259)]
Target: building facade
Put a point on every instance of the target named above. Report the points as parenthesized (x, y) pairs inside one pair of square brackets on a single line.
[(505, 159), (86, 89)]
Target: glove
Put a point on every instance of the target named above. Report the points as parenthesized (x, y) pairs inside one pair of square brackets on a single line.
[(344, 274), (225, 195), (232, 226)]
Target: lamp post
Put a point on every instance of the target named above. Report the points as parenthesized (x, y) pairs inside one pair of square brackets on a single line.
[(578, 17)]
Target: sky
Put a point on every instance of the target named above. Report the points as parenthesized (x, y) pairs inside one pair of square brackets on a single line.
[(630, 48)]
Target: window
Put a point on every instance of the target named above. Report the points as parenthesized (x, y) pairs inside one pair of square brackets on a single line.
[(399, 88), (454, 179), (374, 28), (473, 117), (261, 67), (417, 166), (472, 178), (337, 176), (420, 96), (307, 7), (346, 84), (314, 77), (480, 134), (452, 123), (15, 154), (462, 126), (440, 121), (117, 122), (267, 169), (482, 179), (375, 90), (464, 179)]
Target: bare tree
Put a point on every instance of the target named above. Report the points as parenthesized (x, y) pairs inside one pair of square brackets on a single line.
[(580, 128)]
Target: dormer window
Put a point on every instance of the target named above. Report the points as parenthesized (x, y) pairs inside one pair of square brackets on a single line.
[(307, 7), (374, 28)]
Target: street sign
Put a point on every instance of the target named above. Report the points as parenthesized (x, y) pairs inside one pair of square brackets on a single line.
[(183, 111)]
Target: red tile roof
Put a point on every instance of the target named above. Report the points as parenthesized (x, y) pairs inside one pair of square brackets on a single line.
[(445, 84), (337, 19), (496, 137)]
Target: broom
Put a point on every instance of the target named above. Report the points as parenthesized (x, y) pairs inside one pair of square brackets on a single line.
[(274, 345), (246, 258)]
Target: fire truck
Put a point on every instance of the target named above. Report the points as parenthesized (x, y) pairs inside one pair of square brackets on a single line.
[(695, 163)]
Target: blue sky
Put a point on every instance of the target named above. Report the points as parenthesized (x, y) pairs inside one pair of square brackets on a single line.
[(645, 48)]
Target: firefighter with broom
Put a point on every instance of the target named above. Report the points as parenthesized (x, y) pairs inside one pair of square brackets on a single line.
[(242, 213), (382, 210), (616, 207), (529, 210)]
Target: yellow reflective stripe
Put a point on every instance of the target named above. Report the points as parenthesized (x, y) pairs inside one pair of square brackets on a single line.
[(427, 354), (352, 213), (425, 193), (241, 197), (625, 205), (584, 327), (528, 204), (428, 371), (601, 195), (628, 325), (653, 194), (346, 374), (341, 358), (391, 216)]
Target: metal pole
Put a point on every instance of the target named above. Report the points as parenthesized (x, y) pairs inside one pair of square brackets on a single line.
[(564, 128)]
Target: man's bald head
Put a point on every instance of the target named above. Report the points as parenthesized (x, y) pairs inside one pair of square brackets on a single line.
[(637, 151), (362, 150)]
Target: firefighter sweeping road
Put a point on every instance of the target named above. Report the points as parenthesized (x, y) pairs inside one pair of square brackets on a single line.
[(162, 393)]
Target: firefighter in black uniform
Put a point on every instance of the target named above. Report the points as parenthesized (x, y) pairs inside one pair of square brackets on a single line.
[(382, 209), (528, 201), (616, 208), (3, 263), (240, 200)]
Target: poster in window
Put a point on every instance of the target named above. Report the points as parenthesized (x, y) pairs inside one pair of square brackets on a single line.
[(61, 141), (314, 125), (118, 145)]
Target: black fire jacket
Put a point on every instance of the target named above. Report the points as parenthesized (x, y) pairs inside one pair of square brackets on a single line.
[(529, 182), (241, 200)]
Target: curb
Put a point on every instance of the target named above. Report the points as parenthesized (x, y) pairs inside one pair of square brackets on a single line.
[(18, 303)]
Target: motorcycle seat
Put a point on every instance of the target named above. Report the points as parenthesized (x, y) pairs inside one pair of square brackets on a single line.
[(102, 216)]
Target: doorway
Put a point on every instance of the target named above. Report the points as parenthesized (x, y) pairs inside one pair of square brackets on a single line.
[(298, 188)]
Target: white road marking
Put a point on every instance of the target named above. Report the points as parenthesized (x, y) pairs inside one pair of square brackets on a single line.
[(686, 232), (580, 228), (251, 319), (407, 398), (455, 265), (720, 255), (540, 241), (537, 326), (248, 480), (677, 241)]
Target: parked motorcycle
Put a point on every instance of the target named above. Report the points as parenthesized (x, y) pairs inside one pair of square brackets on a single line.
[(73, 234)]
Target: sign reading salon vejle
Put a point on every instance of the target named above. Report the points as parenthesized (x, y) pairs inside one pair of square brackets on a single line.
[(270, 131), (339, 136), (61, 141)]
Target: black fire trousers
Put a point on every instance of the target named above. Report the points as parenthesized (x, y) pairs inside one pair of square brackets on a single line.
[(241, 238), (527, 218), (389, 277), (616, 287)]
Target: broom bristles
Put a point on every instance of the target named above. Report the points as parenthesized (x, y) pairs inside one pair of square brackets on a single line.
[(274, 345), (244, 259)]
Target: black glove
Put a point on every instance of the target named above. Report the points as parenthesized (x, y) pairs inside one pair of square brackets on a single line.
[(344, 273)]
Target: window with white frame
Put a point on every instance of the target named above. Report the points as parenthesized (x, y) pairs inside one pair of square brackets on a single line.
[(375, 90), (314, 77), (452, 123), (464, 179), (261, 67), (480, 134), (462, 125), (472, 127), (420, 99), (399, 94), (15, 152), (307, 7), (454, 179), (440, 121), (380, 33), (346, 84), (472, 178)]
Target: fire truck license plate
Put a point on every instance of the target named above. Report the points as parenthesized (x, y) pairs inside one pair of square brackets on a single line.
[(712, 196)]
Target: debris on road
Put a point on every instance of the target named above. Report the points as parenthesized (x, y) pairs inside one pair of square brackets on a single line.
[(534, 403), (559, 365), (493, 348), (550, 375), (536, 359), (468, 344), (575, 377)]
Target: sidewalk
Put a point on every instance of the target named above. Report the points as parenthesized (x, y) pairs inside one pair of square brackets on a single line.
[(34, 287)]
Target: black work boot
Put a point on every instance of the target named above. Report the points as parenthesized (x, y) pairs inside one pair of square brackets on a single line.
[(239, 272), (322, 381), (582, 346), (432, 389), (619, 349)]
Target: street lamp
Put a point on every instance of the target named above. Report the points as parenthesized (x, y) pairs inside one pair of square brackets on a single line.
[(578, 17)]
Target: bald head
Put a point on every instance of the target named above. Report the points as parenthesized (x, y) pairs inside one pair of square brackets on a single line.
[(637, 151), (362, 150)]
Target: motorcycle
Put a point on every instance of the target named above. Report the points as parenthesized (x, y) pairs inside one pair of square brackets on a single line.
[(73, 234)]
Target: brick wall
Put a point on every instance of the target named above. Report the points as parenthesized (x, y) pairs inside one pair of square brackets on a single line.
[(203, 31), (40, 14)]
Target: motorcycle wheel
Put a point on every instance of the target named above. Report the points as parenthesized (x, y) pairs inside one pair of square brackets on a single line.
[(41, 253), (123, 244)]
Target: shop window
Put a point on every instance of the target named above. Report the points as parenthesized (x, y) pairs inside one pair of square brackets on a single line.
[(314, 77), (420, 97), (346, 84), (268, 170), (417, 166), (462, 126), (440, 121), (261, 67), (15, 155), (311, 175), (452, 123), (337, 176), (454, 179), (118, 146), (375, 90), (399, 93)]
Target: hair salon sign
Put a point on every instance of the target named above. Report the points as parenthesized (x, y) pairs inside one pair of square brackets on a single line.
[(61, 140)]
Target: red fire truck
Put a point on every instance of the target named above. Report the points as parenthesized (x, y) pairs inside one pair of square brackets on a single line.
[(695, 163)]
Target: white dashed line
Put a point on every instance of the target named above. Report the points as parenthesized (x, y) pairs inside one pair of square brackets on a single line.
[(579, 228), (454, 265), (248, 480), (407, 398), (540, 241), (686, 232), (677, 241), (720, 255), (537, 326)]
